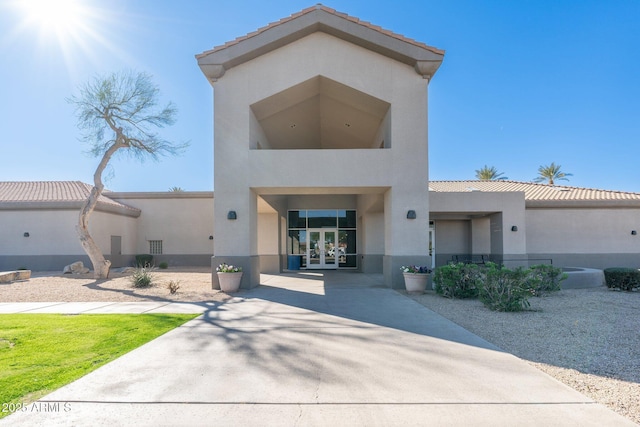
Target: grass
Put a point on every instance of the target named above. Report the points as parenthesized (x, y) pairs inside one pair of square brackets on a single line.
[(42, 352)]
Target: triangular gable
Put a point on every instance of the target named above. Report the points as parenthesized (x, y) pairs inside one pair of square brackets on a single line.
[(425, 59)]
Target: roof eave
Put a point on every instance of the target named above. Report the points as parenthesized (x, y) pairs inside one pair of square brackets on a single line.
[(582, 204), (70, 205), (425, 59)]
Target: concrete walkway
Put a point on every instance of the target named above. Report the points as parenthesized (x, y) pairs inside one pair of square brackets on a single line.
[(335, 349)]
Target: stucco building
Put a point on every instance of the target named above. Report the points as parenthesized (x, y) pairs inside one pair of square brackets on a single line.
[(320, 141), (321, 162)]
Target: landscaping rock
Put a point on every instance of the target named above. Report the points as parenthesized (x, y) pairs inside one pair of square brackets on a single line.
[(75, 268), (10, 276)]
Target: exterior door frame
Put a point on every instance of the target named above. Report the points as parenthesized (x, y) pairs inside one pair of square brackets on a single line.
[(432, 243), (322, 253)]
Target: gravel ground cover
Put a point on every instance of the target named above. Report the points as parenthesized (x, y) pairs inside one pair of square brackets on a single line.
[(588, 339), (50, 286)]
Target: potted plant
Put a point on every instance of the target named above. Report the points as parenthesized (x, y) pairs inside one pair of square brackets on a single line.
[(229, 277), (415, 278)]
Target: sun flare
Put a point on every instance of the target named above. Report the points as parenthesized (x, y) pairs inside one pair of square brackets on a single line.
[(62, 17), (68, 31)]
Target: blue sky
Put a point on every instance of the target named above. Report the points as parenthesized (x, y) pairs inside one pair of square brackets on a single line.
[(523, 84)]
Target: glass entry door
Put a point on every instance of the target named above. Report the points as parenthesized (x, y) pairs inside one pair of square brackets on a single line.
[(322, 250)]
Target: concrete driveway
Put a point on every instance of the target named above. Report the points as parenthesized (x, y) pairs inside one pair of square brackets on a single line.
[(333, 348)]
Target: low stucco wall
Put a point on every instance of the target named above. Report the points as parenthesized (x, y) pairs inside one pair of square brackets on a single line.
[(582, 278)]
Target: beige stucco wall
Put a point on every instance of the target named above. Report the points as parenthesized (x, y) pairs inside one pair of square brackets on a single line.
[(52, 232), (481, 235), (53, 241), (103, 225), (242, 173), (268, 233), (183, 221), (501, 210), (453, 237), (373, 233), (582, 230)]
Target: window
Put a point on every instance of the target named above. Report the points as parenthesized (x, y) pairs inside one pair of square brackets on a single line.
[(155, 247), (343, 221)]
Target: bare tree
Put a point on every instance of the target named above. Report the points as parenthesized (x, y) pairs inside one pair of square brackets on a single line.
[(118, 112)]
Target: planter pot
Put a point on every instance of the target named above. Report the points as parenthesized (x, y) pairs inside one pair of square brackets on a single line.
[(229, 282), (415, 283)]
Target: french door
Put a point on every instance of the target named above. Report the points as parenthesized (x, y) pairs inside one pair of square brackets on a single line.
[(322, 250)]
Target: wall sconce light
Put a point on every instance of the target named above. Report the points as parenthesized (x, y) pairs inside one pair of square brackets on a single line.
[(411, 214), (232, 215), (210, 237), (26, 234), (514, 228), (633, 232)]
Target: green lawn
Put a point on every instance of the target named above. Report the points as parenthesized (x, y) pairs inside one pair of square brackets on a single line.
[(42, 352)]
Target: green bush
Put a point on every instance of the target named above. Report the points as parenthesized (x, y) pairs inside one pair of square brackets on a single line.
[(458, 280), (142, 277), (144, 260), (507, 290), (499, 288), (163, 265), (622, 278), (546, 278)]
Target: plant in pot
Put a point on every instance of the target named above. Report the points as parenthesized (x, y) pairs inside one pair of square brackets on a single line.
[(229, 277), (415, 278)]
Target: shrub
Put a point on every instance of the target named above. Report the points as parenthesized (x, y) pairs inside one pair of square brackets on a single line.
[(458, 280), (546, 278), (144, 260), (163, 265), (142, 277), (506, 290), (622, 278), (173, 286)]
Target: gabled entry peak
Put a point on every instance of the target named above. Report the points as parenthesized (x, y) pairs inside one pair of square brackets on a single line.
[(319, 18)]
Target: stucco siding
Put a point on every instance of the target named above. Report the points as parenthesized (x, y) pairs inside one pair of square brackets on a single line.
[(453, 237), (54, 233), (268, 234), (53, 240), (183, 224), (373, 233), (50, 232), (582, 231)]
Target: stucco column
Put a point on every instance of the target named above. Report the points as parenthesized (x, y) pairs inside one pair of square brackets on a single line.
[(236, 239), (406, 239)]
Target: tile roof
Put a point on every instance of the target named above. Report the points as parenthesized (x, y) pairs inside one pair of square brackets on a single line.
[(537, 193), (58, 193), (328, 10)]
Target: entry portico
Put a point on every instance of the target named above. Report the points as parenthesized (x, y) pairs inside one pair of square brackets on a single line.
[(320, 146)]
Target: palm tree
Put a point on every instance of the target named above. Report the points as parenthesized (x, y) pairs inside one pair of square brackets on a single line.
[(176, 189), (551, 173), (489, 174)]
